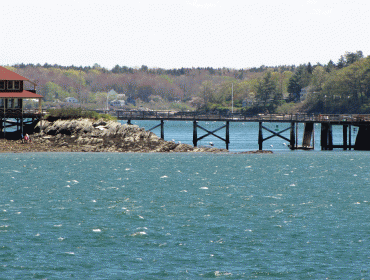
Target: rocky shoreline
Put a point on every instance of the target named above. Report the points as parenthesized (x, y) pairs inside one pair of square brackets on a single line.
[(84, 135)]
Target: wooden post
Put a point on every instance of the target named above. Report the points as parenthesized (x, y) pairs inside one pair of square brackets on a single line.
[(313, 136), (195, 136), (227, 135), (296, 135), (349, 137), (162, 129), (330, 136), (260, 137), (292, 136), (324, 137), (345, 127)]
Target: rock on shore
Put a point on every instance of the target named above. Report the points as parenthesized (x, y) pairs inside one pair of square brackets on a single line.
[(84, 135)]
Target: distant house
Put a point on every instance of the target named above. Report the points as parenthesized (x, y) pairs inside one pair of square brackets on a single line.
[(118, 103), (303, 93), (71, 100), (247, 102)]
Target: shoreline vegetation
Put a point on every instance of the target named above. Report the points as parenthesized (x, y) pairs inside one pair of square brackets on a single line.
[(86, 135), (334, 88)]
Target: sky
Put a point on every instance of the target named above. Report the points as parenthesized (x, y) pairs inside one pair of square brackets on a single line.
[(188, 33)]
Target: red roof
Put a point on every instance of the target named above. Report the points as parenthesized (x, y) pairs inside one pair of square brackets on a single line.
[(6, 74), (22, 94)]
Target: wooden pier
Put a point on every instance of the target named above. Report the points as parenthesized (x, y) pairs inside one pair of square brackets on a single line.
[(18, 122), (327, 121)]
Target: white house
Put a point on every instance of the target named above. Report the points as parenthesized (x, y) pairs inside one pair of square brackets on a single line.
[(71, 100), (118, 103)]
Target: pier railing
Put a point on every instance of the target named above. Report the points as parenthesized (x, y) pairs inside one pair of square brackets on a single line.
[(239, 117), (18, 113)]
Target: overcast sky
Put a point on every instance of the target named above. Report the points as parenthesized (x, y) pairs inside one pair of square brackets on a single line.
[(188, 33)]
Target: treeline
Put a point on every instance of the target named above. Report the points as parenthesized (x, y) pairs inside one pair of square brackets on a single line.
[(332, 88)]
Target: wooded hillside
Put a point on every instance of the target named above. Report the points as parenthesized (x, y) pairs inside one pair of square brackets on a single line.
[(342, 87)]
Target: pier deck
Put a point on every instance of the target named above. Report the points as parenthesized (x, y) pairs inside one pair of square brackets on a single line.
[(354, 119)]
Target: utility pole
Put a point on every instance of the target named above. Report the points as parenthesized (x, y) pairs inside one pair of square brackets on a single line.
[(232, 98)]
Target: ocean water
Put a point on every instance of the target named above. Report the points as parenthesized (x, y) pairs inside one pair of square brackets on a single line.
[(243, 136), (287, 215)]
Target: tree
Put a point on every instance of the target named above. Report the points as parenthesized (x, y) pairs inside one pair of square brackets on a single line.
[(52, 91), (309, 68), (294, 88), (266, 88), (349, 58), (330, 67), (143, 92), (353, 57), (299, 80), (206, 92)]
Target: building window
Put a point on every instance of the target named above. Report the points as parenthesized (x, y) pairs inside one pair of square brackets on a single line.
[(2, 85), (10, 103), (18, 103), (13, 85), (1, 103)]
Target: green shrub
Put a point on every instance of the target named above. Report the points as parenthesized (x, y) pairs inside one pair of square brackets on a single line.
[(75, 113)]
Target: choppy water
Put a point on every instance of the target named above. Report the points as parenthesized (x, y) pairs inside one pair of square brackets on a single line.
[(289, 215)]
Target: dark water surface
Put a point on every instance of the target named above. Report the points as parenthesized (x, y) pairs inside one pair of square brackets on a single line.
[(289, 215)]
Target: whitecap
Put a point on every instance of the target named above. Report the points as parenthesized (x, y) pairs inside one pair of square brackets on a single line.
[(58, 225), (184, 191), (141, 217), (164, 177), (139, 233), (218, 273), (93, 200), (68, 186), (69, 253), (60, 238), (203, 188), (96, 230), (292, 185)]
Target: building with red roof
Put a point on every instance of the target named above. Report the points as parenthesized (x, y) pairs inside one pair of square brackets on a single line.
[(12, 94), (12, 90)]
